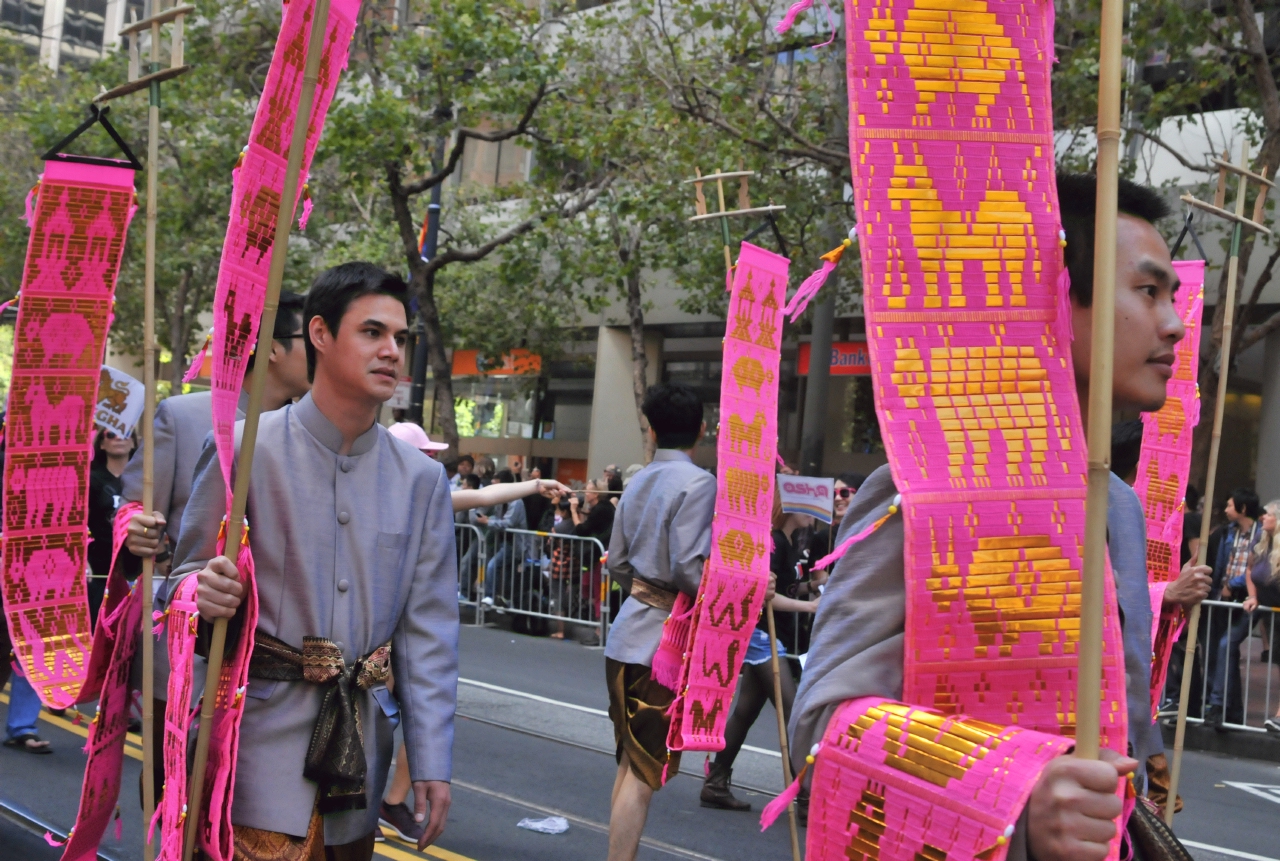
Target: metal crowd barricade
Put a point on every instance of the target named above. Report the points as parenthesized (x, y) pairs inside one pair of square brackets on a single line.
[(472, 556), (1246, 682), (540, 575)]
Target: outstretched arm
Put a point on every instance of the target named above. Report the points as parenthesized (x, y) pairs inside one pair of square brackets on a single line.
[(498, 494)]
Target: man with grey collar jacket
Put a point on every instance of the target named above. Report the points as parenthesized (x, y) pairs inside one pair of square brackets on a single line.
[(661, 535), (352, 536)]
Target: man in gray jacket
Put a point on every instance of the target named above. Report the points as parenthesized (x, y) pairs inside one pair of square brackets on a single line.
[(661, 535), (856, 648), (352, 536), (182, 423)]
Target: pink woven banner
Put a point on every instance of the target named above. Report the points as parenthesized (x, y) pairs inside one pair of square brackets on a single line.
[(1165, 461), (951, 139), (709, 644), (114, 642), (79, 218), (1163, 468), (897, 782), (257, 187), (179, 625)]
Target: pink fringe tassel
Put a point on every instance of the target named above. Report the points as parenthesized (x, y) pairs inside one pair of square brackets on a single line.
[(49, 838), (119, 826), (808, 289), (789, 20), (307, 206), (1062, 326), (774, 808), (198, 362), (31, 205), (836, 554)]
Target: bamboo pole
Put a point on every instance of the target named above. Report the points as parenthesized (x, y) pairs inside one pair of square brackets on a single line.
[(1193, 621), (244, 465), (1103, 330), (148, 447), (782, 730)]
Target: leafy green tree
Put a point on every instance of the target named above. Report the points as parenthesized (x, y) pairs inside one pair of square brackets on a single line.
[(454, 75)]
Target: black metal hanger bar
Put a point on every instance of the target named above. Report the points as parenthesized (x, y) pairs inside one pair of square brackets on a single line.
[(97, 116)]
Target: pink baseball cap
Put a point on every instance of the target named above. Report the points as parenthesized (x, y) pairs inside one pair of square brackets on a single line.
[(415, 436)]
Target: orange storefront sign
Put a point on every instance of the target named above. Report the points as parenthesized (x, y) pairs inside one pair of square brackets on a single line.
[(517, 363)]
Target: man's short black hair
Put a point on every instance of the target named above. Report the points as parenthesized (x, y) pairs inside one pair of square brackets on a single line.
[(1126, 447), (288, 321), (472, 481), (1077, 200), (335, 289), (505, 476), (468, 459), (1246, 502), (674, 411)]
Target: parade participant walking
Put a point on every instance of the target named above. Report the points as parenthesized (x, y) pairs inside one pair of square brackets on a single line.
[(661, 535), (791, 535), (183, 422), (353, 544), (858, 637), (394, 813)]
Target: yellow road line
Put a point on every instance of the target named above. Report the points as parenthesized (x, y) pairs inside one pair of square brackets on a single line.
[(391, 850), (82, 730), (386, 849)]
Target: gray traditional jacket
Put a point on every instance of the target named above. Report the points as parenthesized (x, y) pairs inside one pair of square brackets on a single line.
[(358, 549), (181, 426), (662, 533), (858, 633)]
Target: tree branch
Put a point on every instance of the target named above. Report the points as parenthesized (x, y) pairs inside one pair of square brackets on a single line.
[(1259, 332), (455, 155), (1268, 95), (1263, 280), (470, 255), (1156, 139)]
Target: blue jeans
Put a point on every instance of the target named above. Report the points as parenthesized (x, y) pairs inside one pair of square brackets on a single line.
[(24, 708), (1228, 659), (494, 566)]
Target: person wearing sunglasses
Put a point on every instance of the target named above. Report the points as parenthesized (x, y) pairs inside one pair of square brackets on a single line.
[(110, 456)]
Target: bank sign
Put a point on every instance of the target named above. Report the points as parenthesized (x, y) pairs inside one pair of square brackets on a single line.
[(848, 358)]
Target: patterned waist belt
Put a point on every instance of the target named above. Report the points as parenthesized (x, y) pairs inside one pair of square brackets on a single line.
[(653, 595), (335, 758)]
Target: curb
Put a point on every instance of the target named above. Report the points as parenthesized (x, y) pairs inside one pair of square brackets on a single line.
[(1237, 743)]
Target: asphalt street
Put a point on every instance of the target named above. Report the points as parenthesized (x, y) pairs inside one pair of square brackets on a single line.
[(532, 741)]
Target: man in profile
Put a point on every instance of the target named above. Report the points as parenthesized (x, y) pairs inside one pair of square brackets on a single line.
[(352, 537)]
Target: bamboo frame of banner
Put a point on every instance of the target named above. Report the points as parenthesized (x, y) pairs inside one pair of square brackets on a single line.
[(151, 82), (249, 439), (1101, 364), (745, 208), (782, 730), (1239, 223)]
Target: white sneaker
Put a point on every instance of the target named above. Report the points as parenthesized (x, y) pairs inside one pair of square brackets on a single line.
[(487, 601)]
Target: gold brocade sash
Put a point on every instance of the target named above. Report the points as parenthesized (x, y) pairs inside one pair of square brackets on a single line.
[(335, 757)]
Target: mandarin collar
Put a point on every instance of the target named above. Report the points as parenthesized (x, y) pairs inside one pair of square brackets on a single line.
[(328, 435), (671, 454)]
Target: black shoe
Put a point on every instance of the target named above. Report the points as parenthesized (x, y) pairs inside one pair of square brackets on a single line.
[(715, 790), (1273, 726), (1213, 717), (399, 818)]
